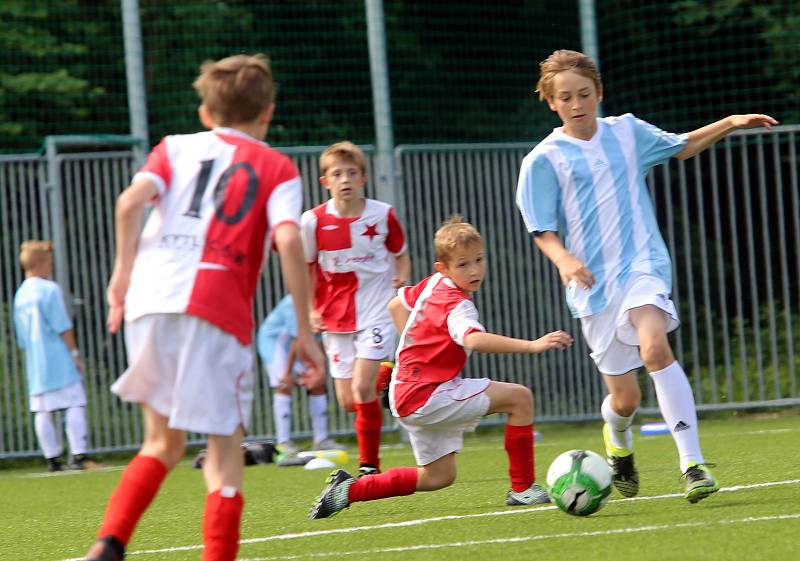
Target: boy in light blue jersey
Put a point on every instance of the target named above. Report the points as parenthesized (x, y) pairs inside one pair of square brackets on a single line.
[(52, 360), (587, 181), (276, 343)]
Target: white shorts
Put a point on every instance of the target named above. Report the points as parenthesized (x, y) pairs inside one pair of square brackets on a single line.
[(189, 371), (276, 368), (62, 398), (610, 334), (437, 428), (374, 343)]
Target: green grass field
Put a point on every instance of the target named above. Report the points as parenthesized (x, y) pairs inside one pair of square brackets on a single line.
[(756, 515)]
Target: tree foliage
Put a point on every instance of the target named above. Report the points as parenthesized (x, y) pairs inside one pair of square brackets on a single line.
[(459, 71)]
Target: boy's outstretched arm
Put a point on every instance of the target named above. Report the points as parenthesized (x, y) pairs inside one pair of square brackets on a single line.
[(128, 223), (492, 343), (702, 138), (570, 268), (295, 276)]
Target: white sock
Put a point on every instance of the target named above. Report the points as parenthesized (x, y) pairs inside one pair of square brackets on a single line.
[(282, 411), (46, 433), (621, 433), (676, 401), (77, 430), (318, 409)]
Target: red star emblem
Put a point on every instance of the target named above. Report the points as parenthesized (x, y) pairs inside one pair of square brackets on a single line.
[(371, 230)]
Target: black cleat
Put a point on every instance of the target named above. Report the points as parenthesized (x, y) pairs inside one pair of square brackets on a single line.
[(107, 548), (335, 497), (623, 471)]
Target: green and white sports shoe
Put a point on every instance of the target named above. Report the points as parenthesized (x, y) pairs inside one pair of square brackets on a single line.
[(533, 495), (699, 481), (335, 497), (623, 471)]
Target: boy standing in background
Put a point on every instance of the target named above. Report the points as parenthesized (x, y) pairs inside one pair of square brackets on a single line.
[(356, 251), (276, 343), (52, 360)]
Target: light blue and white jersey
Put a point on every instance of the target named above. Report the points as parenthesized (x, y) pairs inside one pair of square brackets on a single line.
[(595, 193), (40, 318), (280, 321)]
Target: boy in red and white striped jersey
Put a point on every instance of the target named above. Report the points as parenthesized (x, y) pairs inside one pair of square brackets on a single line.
[(357, 257), (428, 395), (186, 288)]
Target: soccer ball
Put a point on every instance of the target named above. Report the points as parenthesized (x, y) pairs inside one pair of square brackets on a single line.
[(579, 482)]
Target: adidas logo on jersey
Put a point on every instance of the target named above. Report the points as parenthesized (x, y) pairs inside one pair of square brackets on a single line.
[(680, 426), (329, 227), (598, 163)]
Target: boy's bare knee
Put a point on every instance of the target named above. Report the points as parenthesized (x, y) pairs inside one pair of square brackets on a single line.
[(523, 399), (626, 403), (656, 355), (433, 481)]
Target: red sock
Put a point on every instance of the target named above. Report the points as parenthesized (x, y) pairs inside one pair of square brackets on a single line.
[(396, 482), (369, 419), (135, 491), (221, 521), (519, 446)]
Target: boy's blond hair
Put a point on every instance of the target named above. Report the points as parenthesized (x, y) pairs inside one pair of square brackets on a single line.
[(344, 150), (236, 89), (454, 233), (561, 61), (33, 253)]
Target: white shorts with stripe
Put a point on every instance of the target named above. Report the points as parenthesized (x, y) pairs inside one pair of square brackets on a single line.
[(62, 398), (189, 371), (610, 334), (437, 428), (374, 343)]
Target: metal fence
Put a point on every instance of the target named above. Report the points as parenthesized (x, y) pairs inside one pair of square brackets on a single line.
[(730, 217)]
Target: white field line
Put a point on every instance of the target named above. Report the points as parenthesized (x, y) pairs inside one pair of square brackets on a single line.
[(422, 547), (420, 521), (67, 472)]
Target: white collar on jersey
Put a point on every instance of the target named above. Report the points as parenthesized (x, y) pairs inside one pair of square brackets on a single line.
[(448, 281), (236, 132)]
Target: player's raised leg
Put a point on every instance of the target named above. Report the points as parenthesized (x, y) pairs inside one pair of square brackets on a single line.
[(675, 399), (618, 409), (161, 450), (517, 401)]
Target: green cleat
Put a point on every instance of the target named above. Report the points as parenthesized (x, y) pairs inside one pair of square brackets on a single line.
[(533, 495), (335, 497), (700, 483), (623, 471)]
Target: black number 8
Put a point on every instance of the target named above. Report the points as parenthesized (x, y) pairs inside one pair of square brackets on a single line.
[(376, 335)]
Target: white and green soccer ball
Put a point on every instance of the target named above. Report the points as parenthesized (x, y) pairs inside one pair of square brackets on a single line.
[(579, 482)]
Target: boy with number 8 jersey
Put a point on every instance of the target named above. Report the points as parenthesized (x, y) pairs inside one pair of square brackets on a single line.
[(186, 289), (357, 257)]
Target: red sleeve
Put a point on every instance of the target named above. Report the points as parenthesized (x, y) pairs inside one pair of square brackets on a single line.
[(158, 162), (395, 239)]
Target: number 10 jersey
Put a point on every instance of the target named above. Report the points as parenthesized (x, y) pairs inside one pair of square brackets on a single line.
[(221, 194)]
